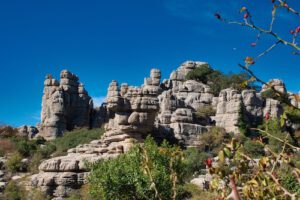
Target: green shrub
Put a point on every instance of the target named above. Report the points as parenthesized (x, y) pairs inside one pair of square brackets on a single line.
[(254, 149), (288, 180), (26, 148), (73, 138), (82, 194), (243, 122), (272, 126), (200, 73), (269, 94), (198, 194), (14, 192), (138, 173), (212, 141), (293, 114), (219, 81), (14, 163), (46, 150), (35, 161), (194, 160)]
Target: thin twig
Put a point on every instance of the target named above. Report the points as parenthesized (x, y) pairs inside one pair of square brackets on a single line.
[(289, 8), (267, 50), (276, 138), (279, 155), (286, 192)]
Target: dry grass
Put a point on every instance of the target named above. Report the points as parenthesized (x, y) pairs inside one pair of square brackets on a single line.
[(7, 146)]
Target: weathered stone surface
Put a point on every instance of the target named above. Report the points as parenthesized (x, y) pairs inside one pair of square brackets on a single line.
[(228, 106), (132, 113), (277, 84), (167, 109), (28, 131), (65, 105), (273, 107)]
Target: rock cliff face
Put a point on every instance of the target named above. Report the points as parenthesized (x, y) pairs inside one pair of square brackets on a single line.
[(65, 105), (132, 113), (166, 110)]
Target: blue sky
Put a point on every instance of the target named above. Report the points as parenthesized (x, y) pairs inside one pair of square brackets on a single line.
[(122, 40)]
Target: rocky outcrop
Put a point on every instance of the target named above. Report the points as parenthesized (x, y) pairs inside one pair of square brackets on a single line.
[(65, 105), (132, 113), (168, 110), (277, 84), (28, 131), (228, 106), (179, 102)]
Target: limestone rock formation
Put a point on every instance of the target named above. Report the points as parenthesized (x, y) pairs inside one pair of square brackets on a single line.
[(277, 84), (28, 131), (168, 110), (178, 104), (132, 114), (65, 105), (228, 107)]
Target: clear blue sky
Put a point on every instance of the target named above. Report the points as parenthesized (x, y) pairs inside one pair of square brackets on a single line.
[(122, 40)]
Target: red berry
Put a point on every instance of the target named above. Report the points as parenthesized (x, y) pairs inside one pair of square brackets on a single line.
[(208, 162), (298, 29), (253, 44), (267, 116), (217, 15), (273, 1), (285, 5), (292, 32), (246, 15)]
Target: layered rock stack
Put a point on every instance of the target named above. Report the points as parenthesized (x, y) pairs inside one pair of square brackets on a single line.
[(167, 110), (179, 103), (132, 111), (65, 105)]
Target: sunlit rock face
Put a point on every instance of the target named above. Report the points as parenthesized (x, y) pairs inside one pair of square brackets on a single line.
[(166, 110), (65, 105)]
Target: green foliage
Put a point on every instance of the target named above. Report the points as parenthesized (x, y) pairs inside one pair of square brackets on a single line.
[(14, 192), (74, 138), (145, 172), (195, 193), (219, 81), (254, 149), (269, 94), (60, 145), (243, 123), (272, 126), (212, 141), (206, 111), (81, 194), (194, 160), (290, 182), (200, 73), (14, 163), (24, 146), (292, 114)]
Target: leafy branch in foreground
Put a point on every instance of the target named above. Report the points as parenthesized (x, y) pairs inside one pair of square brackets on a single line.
[(261, 178), (249, 22), (147, 171)]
